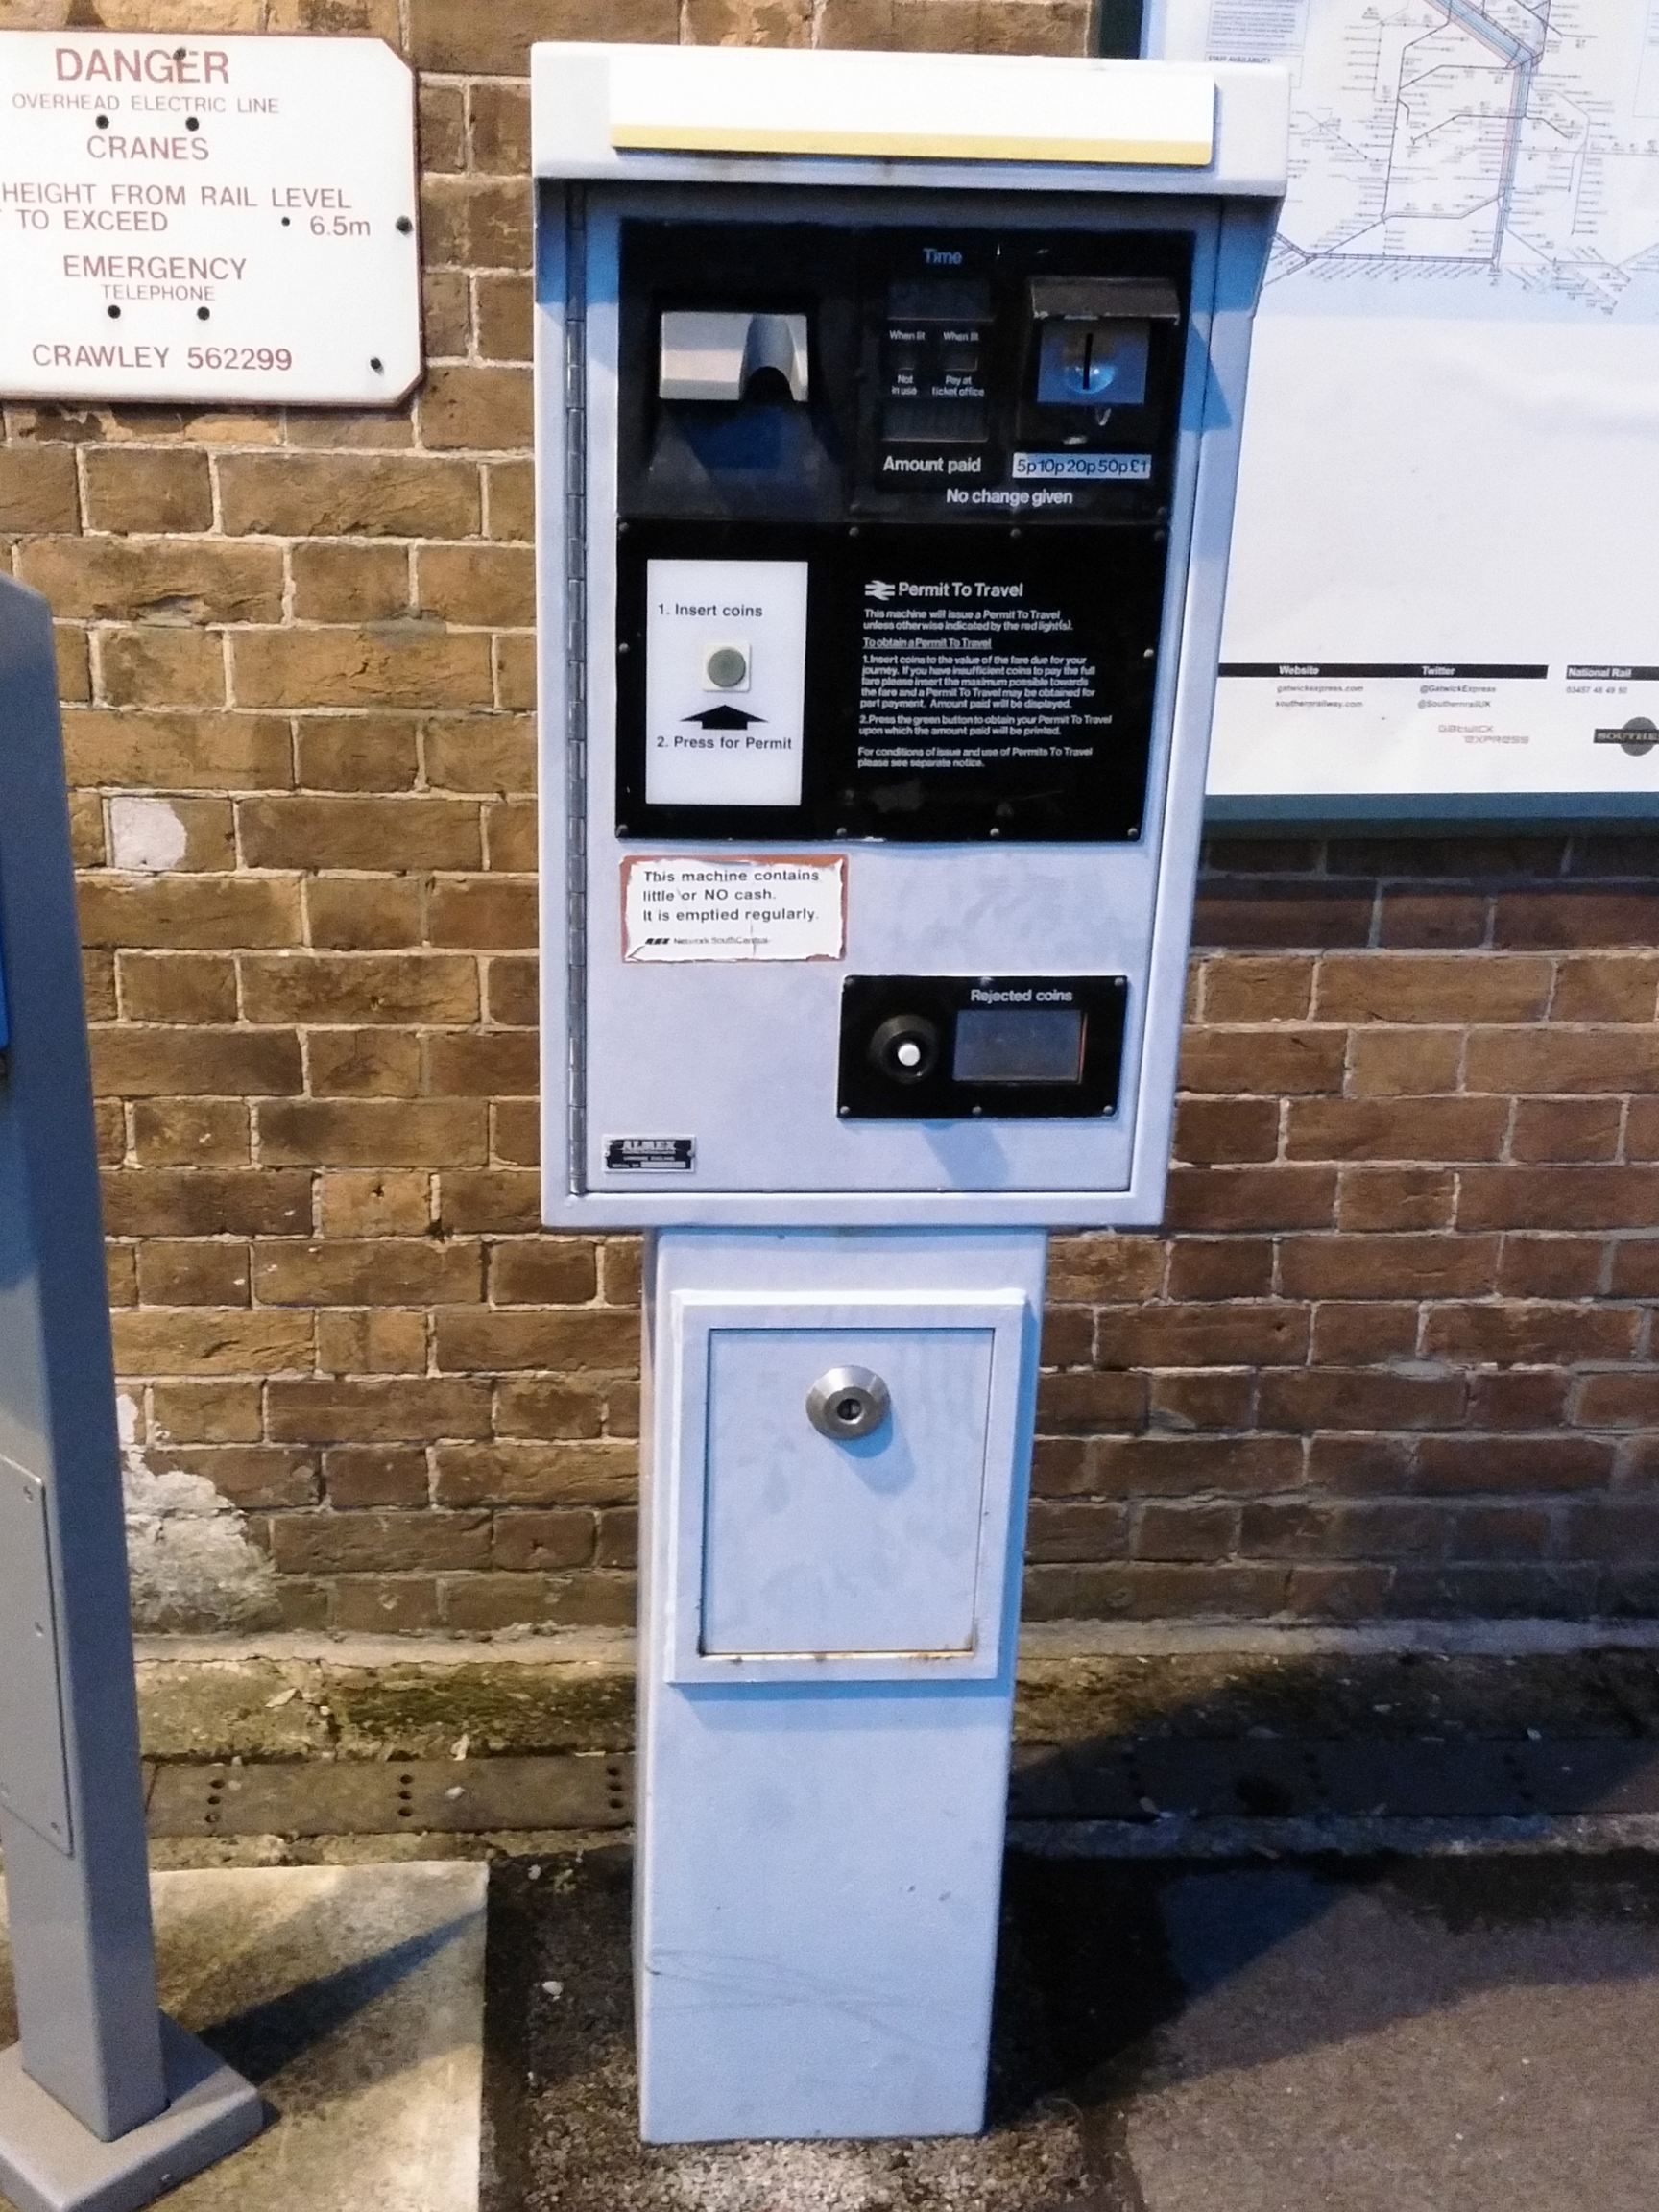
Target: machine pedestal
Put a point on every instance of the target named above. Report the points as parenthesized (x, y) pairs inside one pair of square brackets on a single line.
[(50, 2163), (826, 1680)]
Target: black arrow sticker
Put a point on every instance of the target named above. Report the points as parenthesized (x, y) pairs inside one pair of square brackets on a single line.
[(725, 718)]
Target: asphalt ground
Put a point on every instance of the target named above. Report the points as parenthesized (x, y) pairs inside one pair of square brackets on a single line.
[(1470, 2032)]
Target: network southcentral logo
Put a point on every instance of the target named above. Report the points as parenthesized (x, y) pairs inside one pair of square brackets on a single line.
[(877, 588)]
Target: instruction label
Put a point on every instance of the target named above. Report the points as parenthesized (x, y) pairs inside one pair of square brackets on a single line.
[(772, 906)]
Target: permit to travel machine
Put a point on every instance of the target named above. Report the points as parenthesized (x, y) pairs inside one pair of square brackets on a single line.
[(888, 412)]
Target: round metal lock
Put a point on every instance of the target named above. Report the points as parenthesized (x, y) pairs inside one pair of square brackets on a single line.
[(847, 1402)]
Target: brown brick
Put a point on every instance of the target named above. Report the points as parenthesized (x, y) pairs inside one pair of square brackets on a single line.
[(617, 1542), (1518, 1398), (363, 913), (1396, 1198), (376, 1202), (377, 833), (1552, 1266), (349, 495), (1280, 915), (1074, 1530), (350, 430), (538, 1543), (495, 41), (475, 222), (1423, 987), (195, 1271), (192, 1202), (1578, 914), (548, 1271), (345, 583), (207, 1412), (1531, 1335), (1396, 1063), (1433, 920), (442, 124), (191, 1133), (1350, 1266), (511, 993), (412, 1408), (378, 1271), (1519, 1463), (499, 115), (621, 1275), (371, 1132), (1083, 1268), (1168, 1466), (86, 843), (189, 911), (1372, 1335), (1220, 1267), (228, 1342), (1183, 1531), (515, 662), (1501, 1532), (511, 836), (159, 665), (574, 1473), (1556, 1059), (478, 409), (1642, 1130), (1208, 1398), (372, 1340), (516, 1132), (1085, 1403), (182, 1063), (493, 587), (493, 752), (1566, 1129), (503, 1063), (1276, 1197), (1559, 1198), (445, 313), (252, 1476), (1619, 1401), (1240, 1334), (357, 753), (1254, 988), (1606, 986), (1262, 1060), (569, 1340), (1397, 1129), (172, 579), (1226, 1132), (180, 752), (360, 987), (178, 986), (386, 1605), (504, 319), (359, 1474), (539, 1408), (1359, 1398), (400, 664), (510, 500), (74, 660), (500, 1201), (490, 914), (382, 1542), (37, 488), (167, 489), (362, 1064)]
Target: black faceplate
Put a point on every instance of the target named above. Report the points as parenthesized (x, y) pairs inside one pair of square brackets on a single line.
[(982, 642), (899, 1047)]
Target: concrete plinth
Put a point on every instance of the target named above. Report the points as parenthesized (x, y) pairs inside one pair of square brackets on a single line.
[(352, 1997)]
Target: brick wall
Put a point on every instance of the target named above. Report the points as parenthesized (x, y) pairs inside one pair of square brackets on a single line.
[(1395, 1358)]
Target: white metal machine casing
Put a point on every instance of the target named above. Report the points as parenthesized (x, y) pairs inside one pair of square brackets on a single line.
[(887, 425)]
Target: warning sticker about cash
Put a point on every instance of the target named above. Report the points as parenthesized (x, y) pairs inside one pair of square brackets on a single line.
[(772, 906)]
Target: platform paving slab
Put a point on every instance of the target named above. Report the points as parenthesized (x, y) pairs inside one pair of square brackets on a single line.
[(1464, 2034), (353, 1998)]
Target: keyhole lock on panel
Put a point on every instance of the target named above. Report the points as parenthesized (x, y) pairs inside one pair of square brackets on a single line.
[(846, 1403)]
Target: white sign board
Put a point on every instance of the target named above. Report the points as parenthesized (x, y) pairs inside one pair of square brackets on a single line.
[(207, 219), (1442, 596), (734, 906)]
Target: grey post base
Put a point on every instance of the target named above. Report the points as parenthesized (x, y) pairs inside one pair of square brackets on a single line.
[(50, 2163)]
